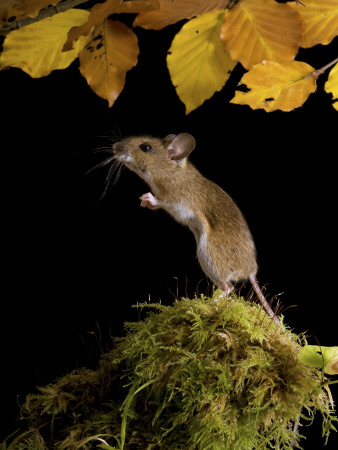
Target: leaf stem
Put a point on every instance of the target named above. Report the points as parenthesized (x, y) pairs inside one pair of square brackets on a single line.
[(316, 73), (43, 14)]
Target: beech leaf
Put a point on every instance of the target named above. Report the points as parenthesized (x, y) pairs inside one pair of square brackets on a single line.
[(19, 9), (331, 85), (36, 48), (101, 11), (105, 61), (172, 11), (197, 62), (320, 21), (274, 85), (257, 30)]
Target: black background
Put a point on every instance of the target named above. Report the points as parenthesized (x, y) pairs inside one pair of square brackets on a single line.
[(73, 265)]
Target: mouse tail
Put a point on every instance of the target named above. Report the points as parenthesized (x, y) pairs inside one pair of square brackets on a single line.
[(262, 299)]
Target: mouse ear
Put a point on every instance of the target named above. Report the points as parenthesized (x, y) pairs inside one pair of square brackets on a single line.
[(169, 138), (181, 146)]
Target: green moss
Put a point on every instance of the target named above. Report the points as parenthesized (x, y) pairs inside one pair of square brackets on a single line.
[(208, 373)]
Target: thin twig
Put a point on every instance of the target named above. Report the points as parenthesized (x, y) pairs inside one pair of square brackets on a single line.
[(43, 14), (295, 431), (316, 73)]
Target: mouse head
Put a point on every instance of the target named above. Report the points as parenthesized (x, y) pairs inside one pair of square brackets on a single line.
[(152, 157)]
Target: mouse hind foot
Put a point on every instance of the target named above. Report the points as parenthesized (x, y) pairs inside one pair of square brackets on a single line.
[(227, 288)]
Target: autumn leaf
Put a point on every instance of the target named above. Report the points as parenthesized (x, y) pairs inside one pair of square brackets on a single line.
[(257, 30), (197, 63), (331, 85), (320, 21), (274, 85), (19, 9), (105, 61), (172, 11), (264, 35), (101, 11), (36, 48)]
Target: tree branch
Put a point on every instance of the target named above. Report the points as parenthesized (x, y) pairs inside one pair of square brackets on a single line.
[(43, 14)]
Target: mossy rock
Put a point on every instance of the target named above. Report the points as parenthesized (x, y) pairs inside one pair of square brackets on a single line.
[(208, 373)]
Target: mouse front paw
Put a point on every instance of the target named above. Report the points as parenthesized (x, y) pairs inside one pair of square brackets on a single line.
[(149, 201)]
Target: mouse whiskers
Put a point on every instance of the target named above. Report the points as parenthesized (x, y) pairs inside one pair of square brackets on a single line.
[(113, 175), (114, 171)]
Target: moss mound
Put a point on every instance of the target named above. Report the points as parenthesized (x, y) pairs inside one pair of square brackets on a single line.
[(208, 373)]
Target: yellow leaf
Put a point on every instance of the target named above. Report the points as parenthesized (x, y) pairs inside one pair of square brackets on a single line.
[(36, 48), (320, 21), (101, 11), (332, 85), (171, 11), (257, 30), (105, 61), (197, 63), (276, 85)]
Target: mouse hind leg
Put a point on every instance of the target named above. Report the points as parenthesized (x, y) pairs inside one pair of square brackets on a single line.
[(227, 287)]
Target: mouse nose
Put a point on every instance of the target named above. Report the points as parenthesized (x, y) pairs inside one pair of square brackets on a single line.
[(118, 147)]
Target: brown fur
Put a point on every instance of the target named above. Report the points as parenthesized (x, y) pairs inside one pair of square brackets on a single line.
[(229, 252), (225, 248)]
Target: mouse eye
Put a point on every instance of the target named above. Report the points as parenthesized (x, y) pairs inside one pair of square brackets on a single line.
[(146, 148)]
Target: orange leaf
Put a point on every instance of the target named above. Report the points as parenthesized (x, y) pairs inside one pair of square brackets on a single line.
[(5, 13), (19, 9), (275, 85), (257, 30), (105, 61), (320, 21), (172, 11), (101, 11)]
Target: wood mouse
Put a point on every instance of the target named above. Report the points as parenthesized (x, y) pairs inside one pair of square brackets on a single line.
[(225, 247)]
